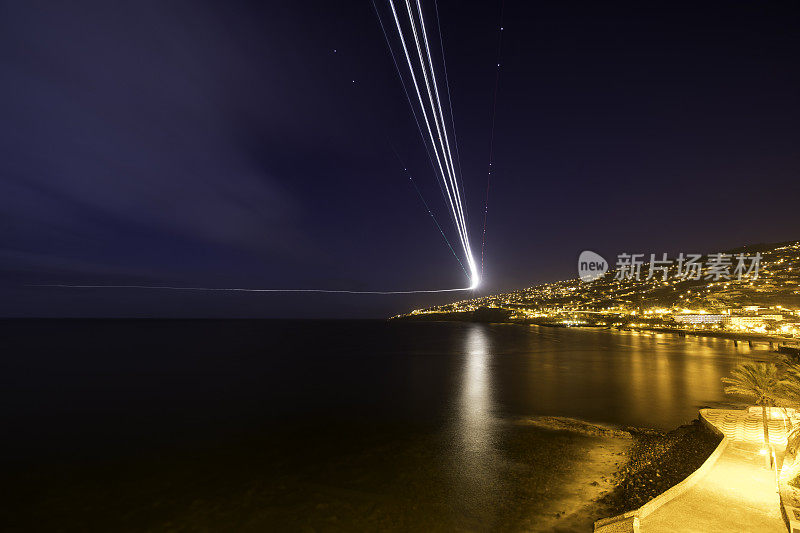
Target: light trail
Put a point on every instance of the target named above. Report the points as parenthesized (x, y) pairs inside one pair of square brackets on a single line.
[(416, 121), (419, 129), (441, 115), (427, 208), (427, 122), (421, 134), (450, 177), (436, 116), (240, 289), (432, 111), (437, 223), (450, 103), (491, 135)]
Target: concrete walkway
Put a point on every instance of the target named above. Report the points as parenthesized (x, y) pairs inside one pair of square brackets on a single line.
[(737, 494)]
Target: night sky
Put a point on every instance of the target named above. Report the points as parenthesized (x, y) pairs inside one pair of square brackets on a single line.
[(235, 144)]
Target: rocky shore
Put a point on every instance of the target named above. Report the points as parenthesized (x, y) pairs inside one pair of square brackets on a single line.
[(630, 466), (656, 462)]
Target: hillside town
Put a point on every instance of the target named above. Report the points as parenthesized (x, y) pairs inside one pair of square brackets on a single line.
[(765, 300)]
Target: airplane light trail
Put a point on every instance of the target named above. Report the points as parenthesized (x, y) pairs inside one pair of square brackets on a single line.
[(491, 135), (431, 110), (237, 289), (448, 176)]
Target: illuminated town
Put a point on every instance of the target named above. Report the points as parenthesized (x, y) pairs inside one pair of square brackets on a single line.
[(767, 304)]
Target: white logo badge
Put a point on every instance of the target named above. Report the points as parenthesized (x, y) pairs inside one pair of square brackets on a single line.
[(591, 266)]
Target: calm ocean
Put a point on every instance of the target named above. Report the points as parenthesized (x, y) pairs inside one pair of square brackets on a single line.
[(323, 425)]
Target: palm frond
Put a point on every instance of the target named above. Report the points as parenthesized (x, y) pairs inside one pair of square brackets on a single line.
[(760, 381)]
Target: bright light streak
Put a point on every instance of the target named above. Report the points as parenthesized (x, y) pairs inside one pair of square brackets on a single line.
[(238, 289), (436, 110), (427, 122), (476, 278), (432, 112), (432, 109)]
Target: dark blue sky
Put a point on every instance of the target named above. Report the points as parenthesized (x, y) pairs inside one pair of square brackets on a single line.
[(226, 144)]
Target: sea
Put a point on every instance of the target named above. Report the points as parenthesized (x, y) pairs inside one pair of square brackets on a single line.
[(289, 425)]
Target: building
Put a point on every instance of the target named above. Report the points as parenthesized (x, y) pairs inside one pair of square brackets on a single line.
[(690, 318), (747, 321)]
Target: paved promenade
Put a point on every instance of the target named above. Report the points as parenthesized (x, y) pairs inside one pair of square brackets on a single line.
[(738, 493)]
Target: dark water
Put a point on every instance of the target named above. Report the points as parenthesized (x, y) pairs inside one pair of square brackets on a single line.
[(300, 425)]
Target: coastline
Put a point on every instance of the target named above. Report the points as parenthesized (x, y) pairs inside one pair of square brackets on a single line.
[(627, 468), (465, 316), (730, 335)]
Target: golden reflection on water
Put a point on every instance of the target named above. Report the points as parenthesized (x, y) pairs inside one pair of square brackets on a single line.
[(665, 372), (474, 458), (475, 397), (626, 378)]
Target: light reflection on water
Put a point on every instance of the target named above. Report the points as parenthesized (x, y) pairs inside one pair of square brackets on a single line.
[(474, 421), (475, 402), (623, 378)]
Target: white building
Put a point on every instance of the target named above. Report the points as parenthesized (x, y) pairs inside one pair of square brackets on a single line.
[(690, 318), (747, 321)]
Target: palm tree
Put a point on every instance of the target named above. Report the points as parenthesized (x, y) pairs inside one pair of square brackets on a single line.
[(761, 381)]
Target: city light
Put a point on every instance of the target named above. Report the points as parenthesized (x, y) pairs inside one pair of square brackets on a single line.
[(746, 306)]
